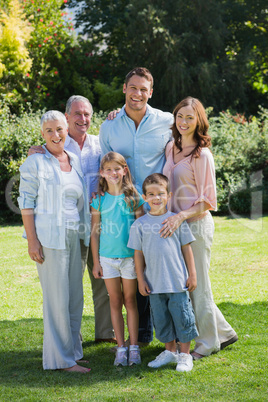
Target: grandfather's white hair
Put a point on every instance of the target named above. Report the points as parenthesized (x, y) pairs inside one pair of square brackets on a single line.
[(53, 115), (77, 98)]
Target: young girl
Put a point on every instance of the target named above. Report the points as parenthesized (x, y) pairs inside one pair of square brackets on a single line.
[(112, 216)]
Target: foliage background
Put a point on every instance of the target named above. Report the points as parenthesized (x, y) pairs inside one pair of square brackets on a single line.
[(240, 149), (212, 49), (215, 50)]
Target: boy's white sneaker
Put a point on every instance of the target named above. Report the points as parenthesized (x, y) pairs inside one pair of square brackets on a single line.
[(164, 358), (185, 362), (121, 356)]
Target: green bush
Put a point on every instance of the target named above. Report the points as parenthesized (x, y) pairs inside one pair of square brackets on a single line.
[(17, 134), (240, 149), (109, 96)]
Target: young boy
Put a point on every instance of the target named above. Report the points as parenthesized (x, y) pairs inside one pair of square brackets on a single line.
[(161, 266)]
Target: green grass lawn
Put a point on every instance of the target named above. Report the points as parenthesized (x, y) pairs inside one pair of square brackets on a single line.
[(239, 277)]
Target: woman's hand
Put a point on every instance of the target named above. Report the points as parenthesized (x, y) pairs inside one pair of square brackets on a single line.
[(35, 250), (97, 271), (191, 283), (171, 224)]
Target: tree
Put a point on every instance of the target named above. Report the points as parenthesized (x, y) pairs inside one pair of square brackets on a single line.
[(188, 46), (56, 61), (15, 61), (246, 46)]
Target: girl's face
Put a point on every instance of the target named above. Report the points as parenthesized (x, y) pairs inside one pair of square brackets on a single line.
[(113, 173), (186, 121)]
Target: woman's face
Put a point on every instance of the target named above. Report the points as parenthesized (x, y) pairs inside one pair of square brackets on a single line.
[(186, 121), (54, 132)]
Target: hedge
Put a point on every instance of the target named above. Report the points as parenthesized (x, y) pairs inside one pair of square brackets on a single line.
[(239, 146)]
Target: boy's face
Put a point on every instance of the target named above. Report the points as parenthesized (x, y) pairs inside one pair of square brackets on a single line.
[(157, 197)]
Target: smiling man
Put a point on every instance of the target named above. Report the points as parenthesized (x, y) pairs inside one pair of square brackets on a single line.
[(139, 133), (78, 113)]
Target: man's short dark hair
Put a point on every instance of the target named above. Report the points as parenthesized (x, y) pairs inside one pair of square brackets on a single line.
[(156, 178), (141, 72)]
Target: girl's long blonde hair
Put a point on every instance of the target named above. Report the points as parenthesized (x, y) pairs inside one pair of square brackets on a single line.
[(130, 192)]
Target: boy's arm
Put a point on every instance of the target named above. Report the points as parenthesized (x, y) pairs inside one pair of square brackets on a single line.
[(95, 242), (191, 282), (140, 266)]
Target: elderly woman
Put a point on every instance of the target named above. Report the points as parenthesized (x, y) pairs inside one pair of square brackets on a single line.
[(55, 212)]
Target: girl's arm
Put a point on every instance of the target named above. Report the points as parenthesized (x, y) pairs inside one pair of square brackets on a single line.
[(34, 246), (140, 266), (139, 212), (191, 282), (95, 242)]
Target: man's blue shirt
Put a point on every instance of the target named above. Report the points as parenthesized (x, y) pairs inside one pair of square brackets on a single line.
[(144, 147)]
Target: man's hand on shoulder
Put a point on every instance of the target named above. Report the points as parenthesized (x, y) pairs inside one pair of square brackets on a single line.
[(94, 196), (36, 149), (112, 115)]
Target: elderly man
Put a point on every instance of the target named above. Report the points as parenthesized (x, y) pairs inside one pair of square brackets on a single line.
[(78, 114), (139, 133)]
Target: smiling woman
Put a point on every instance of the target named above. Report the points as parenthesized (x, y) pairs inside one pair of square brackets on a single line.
[(190, 168), (54, 207), (54, 133), (186, 122)]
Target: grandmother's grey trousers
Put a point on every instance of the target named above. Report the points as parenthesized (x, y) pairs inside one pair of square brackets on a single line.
[(61, 280)]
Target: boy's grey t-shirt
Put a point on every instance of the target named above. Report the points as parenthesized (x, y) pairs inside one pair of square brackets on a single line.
[(165, 270)]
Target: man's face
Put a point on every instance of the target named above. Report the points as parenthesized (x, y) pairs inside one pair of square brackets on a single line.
[(138, 90), (79, 119)]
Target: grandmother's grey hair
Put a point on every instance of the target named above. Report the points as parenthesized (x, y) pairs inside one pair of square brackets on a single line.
[(77, 98), (53, 115)]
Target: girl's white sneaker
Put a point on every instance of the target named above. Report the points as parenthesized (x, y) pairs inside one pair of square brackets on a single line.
[(134, 356), (121, 356)]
